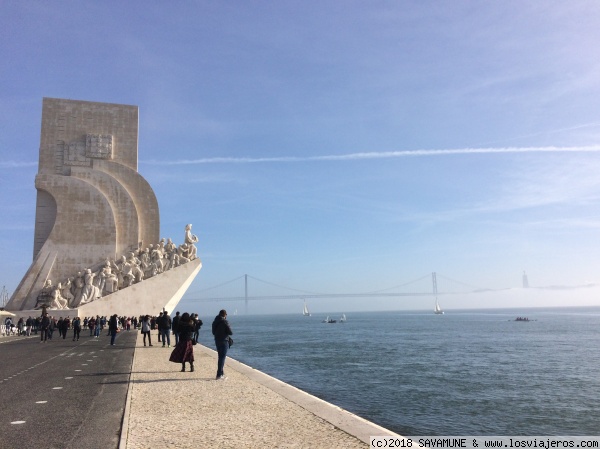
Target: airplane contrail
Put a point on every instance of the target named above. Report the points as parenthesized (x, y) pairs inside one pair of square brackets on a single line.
[(350, 156), (378, 155)]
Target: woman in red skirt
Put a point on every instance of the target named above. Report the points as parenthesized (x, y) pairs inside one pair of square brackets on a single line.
[(184, 349)]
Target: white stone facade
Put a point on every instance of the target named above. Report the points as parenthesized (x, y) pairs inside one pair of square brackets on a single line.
[(92, 204)]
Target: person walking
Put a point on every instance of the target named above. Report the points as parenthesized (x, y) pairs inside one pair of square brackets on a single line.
[(76, 328), (221, 330), (28, 326), (184, 349), (146, 326), (113, 327)]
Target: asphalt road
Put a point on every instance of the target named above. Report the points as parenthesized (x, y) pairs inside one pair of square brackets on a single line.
[(64, 393)]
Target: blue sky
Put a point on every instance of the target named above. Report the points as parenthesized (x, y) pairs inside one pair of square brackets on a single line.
[(333, 146)]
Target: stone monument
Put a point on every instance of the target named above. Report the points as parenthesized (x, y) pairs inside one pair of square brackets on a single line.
[(96, 242)]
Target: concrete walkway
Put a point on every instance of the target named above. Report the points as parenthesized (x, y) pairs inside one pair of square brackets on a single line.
[(170, 409)]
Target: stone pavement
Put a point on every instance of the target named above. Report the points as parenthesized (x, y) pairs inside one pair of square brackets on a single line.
[(170, 409)]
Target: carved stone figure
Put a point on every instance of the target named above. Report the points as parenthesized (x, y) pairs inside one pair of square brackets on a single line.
[(146, 263), (44, 298), (169, 250), (58, 302), (190, 240), (79, 283), (109, 282), (65, 291), (90, 292), (124, 272), (183, 251), (136, 271)]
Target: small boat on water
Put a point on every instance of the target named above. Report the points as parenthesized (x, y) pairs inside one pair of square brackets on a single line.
[(305, 312), (328, 320), (437, 309), (522, 318)]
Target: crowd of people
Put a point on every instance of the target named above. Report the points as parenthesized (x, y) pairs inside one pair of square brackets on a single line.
[(185, 329)]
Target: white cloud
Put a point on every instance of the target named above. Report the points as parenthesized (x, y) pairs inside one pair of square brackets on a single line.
[(377, 155)]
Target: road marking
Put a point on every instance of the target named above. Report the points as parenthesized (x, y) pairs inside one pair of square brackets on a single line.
[(68, 378), (57, 388), (41, 402), (18, 422), (77, 370), (84, 364)]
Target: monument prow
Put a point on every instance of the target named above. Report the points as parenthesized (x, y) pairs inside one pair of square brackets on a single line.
[(96, 243)]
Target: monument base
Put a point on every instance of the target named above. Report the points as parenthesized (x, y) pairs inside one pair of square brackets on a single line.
[(148, 297)]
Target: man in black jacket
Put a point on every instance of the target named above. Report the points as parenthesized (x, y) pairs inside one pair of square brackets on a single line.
[(44, 325), (165, 329), (221, 330), (174, 327)]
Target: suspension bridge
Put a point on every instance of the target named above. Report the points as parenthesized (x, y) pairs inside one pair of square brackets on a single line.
[(428, 287)]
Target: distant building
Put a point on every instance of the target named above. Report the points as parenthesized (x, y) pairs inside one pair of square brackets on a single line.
[(525, 281)]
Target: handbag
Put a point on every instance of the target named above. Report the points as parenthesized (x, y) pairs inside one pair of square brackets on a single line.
[(230, 341)]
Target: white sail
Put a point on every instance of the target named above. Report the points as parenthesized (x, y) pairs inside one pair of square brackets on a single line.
[(305, 312), (343, 318), (438, 310)]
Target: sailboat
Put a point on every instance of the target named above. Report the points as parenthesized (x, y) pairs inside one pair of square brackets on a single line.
[(437, 310), (305, 312), (343, 318)]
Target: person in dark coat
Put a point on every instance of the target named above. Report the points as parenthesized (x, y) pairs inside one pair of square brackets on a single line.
[(197, 325), (113, 326), (44, 325), (184, 349), (76, 328), (221, 330)]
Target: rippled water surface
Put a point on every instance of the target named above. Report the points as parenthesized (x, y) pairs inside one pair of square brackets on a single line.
[(463, 373)]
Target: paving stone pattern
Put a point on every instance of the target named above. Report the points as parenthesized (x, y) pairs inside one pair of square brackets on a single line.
[(173, 409)]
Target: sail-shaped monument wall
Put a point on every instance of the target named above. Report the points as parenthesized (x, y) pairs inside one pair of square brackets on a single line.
[(92, 207)]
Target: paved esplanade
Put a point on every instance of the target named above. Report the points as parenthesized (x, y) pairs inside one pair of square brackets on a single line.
[(170, 409), (89, 394), (63, 393)]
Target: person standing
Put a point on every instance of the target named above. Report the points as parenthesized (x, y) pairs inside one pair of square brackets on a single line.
[(44, 326), (76, 328), (158, 325), (97, 329), (92, 325), (59, 326), (221, 330), (52, 327), (64, 327), (146, 326), (165, 329), (184, 349), (113, 326), (174, 327), (197, 325)]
